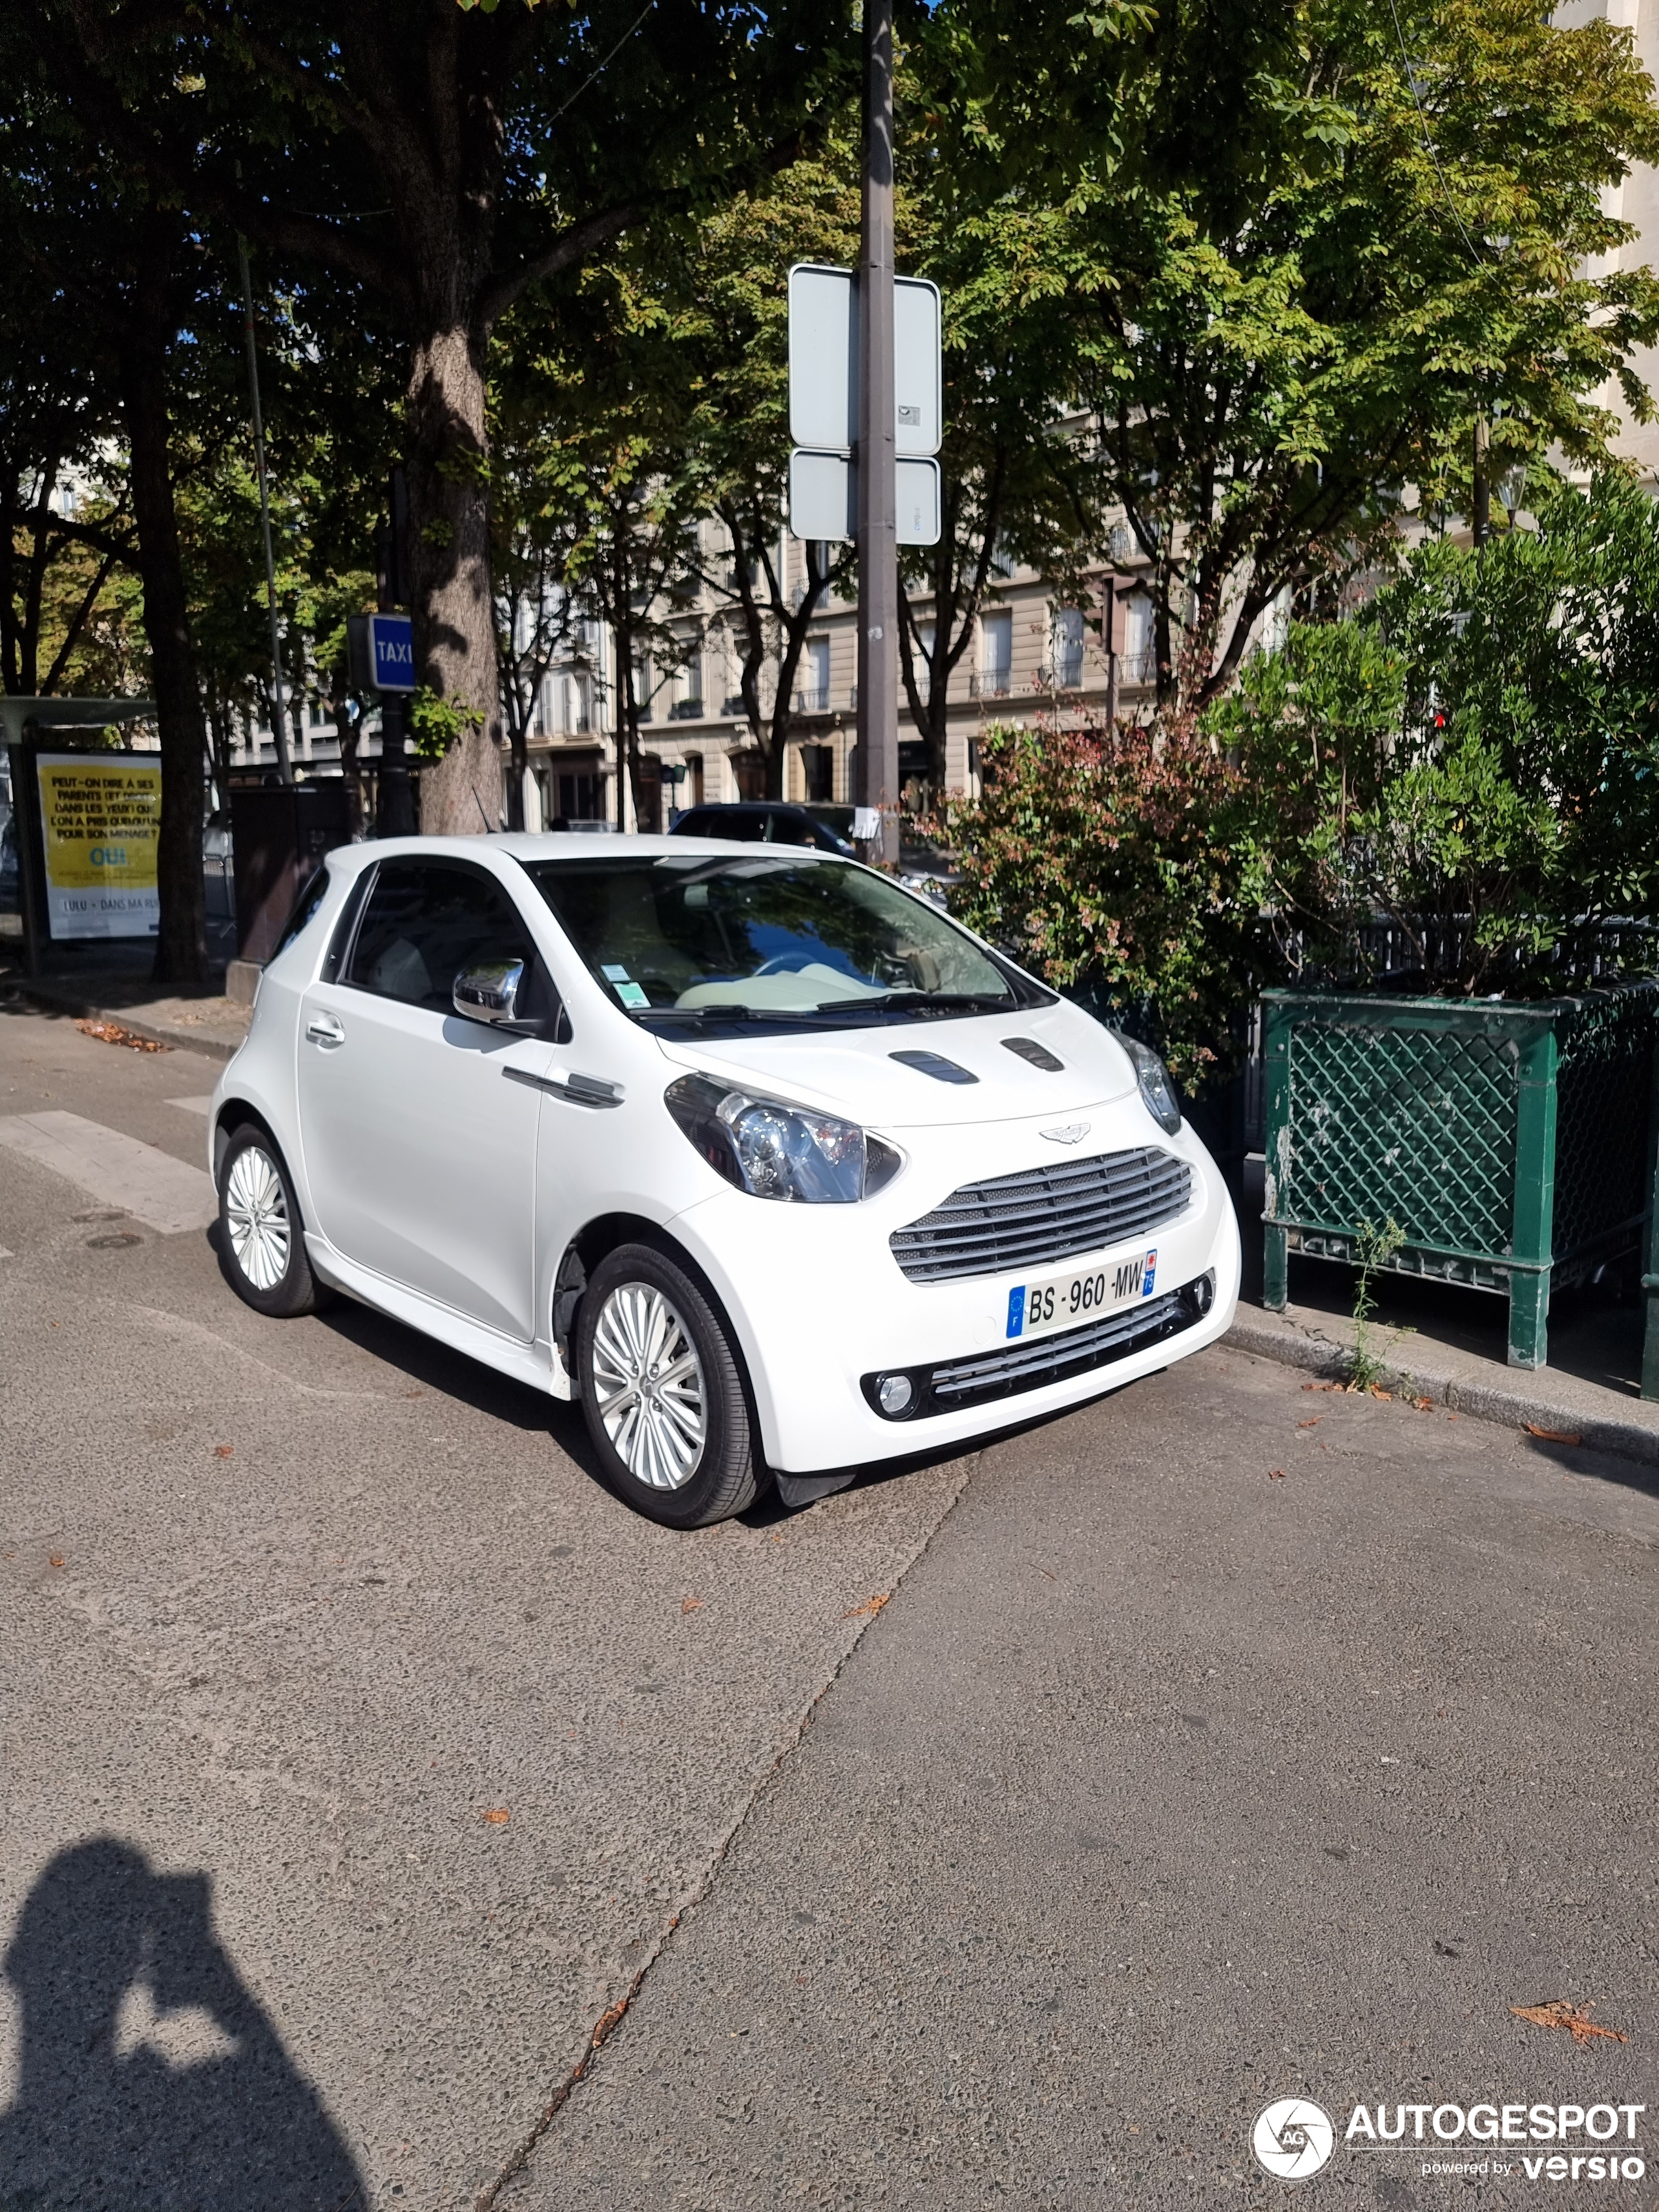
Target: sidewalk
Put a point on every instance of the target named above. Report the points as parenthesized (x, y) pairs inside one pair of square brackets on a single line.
[(1450, 1346), (210, 1024)]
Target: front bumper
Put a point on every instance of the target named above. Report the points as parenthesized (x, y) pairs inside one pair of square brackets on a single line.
[(821, 1308), (983, 1377)]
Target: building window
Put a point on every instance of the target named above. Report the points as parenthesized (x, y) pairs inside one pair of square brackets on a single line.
[(817, 764), (1137, 647), (813, 696), (1068, 649), (996, 654)]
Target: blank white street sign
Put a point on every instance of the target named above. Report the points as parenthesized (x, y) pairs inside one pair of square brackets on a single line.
[(919, 502), (918, 374), (823, 494), (823, 339), (824, 398)]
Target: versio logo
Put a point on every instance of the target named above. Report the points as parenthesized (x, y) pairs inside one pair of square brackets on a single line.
[(1292, 2139)]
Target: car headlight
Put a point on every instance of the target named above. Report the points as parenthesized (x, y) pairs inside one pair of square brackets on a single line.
[(1156, 1088), (772, 1149)]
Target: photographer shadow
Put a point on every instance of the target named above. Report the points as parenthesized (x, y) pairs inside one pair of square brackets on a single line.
[(150, 2075)]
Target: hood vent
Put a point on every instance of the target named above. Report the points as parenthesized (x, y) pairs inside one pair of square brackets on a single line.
[(933, 1063), (1038, 1055)]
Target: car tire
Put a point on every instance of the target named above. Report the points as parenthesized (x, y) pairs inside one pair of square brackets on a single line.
[(262, 1247), (662, 1392)]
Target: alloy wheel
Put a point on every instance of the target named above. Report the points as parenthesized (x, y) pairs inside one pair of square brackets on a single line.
[(648, 1387), (256, 1214)]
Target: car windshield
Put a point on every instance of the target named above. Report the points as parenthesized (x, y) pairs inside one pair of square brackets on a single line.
[(779, 937)]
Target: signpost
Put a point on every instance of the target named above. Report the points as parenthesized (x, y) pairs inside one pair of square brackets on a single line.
[(381, 651), (824, 405), (866, 404)]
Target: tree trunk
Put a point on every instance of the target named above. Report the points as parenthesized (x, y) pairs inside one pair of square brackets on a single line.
[(449, 556), (143, 340)]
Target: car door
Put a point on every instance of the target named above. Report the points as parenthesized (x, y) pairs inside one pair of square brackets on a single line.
[(418, 1125)]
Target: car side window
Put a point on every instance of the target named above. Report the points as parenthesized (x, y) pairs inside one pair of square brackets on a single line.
[(424, 922)]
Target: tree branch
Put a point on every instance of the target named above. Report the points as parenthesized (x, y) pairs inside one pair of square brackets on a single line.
[(573, 244)]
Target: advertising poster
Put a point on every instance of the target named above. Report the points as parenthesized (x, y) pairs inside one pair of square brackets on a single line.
[(101, 818)]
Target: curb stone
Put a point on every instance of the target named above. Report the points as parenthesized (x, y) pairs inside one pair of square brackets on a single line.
[(57, 999), (1513, 1405)]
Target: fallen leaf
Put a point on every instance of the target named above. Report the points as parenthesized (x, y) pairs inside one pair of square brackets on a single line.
[(1553, 1436), (872, 1606), (1275, 1474), (113, 1033), (1423, 1405), (497, 1816), (55, 1560), (607, 2022), (223, 1451), (1454, 1417), (1575, 2018), (1324, 1386), (1313, 1424), (690, 1605), (1377, 1391)]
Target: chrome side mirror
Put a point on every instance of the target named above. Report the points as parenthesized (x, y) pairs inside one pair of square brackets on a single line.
[(488, 992)]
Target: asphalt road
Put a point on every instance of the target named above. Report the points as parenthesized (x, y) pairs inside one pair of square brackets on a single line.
[(1160, 1785)]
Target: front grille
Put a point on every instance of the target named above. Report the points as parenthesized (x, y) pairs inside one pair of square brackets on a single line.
[(1029, 1366), (1044, 1214)]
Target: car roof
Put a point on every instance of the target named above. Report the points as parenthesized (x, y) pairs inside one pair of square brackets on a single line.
[(549, 845)]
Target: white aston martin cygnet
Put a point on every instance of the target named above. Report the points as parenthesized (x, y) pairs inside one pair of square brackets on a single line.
[(771, 1165)]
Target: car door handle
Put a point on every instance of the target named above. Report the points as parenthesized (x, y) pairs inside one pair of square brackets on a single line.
[(325, 1029), (579, 1090)]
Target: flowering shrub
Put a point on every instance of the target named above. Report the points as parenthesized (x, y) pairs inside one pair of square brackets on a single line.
[(1110, 866)]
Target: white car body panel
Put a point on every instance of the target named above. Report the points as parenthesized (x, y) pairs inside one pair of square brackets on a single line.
[(445, 1191)]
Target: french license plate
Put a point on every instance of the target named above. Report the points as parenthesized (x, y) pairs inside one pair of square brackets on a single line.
[(1066, 1301)]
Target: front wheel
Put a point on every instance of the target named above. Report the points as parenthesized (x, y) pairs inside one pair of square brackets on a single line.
[(261, 1243), (662, 1393)]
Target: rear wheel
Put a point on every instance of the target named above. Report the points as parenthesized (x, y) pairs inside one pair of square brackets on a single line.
[(261, 1240), (662, 1393)]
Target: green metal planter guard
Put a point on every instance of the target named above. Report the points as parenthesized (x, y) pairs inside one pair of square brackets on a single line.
[(1510, 1142)]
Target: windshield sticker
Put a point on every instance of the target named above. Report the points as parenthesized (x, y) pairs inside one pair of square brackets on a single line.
[(614, 975), (630, 994)]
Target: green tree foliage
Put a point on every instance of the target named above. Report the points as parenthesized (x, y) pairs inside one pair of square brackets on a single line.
[(439, 161), (1324, 248), (1474, 755)]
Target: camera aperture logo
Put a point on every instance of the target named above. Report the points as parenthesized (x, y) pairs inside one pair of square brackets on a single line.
[(1292, 2139)]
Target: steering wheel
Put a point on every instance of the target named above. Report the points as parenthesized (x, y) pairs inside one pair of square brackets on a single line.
[(786, 964)]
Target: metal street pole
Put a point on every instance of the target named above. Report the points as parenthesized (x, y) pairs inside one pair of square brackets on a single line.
[(877, 781), (284, 760), (395, 814)]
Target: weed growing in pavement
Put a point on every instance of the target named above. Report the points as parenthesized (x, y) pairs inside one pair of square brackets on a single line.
[(1373, 1248)]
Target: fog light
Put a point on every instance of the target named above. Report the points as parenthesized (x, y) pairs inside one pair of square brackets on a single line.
[(1203, 1295), (897, 1392)]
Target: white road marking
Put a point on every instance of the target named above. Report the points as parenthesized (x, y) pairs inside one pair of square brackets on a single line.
[(194, 1105), (140, 1179)]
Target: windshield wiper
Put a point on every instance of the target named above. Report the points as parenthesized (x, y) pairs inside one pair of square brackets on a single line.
[(936, 1002), (737, 1012)]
